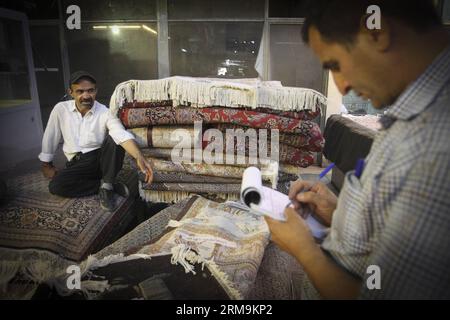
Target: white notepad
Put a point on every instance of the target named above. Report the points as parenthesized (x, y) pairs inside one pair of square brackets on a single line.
[(262, 200)]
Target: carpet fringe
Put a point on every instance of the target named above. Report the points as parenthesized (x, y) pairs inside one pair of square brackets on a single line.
[(205, 92), (183, 255), (35, 266), (92, 288), (177, 196)]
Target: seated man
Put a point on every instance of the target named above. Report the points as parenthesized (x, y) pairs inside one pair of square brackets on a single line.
[(389, 236), (95, 142)]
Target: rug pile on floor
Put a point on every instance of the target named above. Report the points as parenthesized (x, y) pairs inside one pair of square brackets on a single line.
[(194, 249)]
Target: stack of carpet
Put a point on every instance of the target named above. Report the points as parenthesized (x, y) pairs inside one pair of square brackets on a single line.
[(191, 130)]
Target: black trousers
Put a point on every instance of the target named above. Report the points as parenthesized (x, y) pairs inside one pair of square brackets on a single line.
[(81, 176)]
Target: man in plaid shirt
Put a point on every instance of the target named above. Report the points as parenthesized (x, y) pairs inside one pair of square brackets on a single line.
[(395, 217)]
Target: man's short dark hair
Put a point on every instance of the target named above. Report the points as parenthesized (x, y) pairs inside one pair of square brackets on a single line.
[(339, 20)]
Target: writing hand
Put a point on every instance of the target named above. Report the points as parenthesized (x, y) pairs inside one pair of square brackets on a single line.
[(317, 196)]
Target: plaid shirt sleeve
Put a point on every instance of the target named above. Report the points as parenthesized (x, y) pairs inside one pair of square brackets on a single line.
[(413, 252)]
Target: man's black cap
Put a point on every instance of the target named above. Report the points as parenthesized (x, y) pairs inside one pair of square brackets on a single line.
[(77, 75)]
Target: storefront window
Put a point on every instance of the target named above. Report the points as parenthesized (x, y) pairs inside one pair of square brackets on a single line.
[(14, 77), (114, 53), (206, 49), (215, 9), (115, 9)]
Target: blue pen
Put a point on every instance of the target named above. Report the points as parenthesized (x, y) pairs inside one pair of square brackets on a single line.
[(325, 171), (359, 167), (321, 175)]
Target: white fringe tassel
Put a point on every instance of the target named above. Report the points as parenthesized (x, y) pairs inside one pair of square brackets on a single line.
[(204, 92), (35, 266), (177, 196), (8, 270), (182, 254), (222, 278), (92, 288)]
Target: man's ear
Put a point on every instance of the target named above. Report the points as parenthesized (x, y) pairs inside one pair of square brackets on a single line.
[(70, 92), (378, 38)]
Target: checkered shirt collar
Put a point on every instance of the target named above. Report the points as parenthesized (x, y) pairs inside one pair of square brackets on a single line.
[(421, 93)]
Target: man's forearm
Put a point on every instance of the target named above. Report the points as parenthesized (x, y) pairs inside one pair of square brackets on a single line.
[(330, 280), (131, 147)]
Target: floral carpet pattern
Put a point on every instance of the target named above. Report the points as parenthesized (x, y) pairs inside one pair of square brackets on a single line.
[(72, 228)]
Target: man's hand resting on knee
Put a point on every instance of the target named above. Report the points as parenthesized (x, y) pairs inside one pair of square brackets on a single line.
[(48, 170), (322, 201)]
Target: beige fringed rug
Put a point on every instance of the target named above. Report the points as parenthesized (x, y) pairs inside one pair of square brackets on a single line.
[(207, 235), (173, 186), (229, 242), (268, 172), (210, 179)]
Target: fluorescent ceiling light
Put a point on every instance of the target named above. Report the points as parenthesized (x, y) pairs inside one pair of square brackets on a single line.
[(128, 27), (114, 29), (149, 29)]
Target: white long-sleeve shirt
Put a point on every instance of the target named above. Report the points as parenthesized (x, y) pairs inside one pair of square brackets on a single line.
[(80, 134)]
